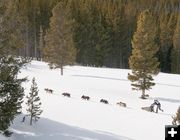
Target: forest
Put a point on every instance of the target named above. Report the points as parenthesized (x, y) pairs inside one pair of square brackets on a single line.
[(97, 32)]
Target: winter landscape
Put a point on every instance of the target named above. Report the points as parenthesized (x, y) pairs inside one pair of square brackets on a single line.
[(76, 119), (89, 69)]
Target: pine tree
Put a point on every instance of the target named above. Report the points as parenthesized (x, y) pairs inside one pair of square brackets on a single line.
[(11, 28), (143, 62), (167, 25), (176, 119), (175, 54), (59, 50), (11, 92), (41, 42), (33, 103)]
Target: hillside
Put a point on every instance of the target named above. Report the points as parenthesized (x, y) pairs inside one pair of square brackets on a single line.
[(76, 119)]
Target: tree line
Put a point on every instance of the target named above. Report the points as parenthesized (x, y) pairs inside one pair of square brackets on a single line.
[(99, 32)]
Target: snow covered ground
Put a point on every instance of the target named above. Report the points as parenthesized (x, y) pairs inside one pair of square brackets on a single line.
[(76, 119)]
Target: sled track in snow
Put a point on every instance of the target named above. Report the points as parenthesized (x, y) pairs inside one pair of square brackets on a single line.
[(109, 78)]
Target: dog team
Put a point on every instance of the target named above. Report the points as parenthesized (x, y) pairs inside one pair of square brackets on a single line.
[(84, 97)]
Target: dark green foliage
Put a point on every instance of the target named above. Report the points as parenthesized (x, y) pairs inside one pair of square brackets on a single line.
[(11, 37), (167, 25), (101, 34), (114, 22), (33, 103), (102, 29), (11, 92), (175, 54), (143, 61)]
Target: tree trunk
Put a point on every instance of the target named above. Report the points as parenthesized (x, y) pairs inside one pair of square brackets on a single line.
[(41, 42), (61, 65), (61, 70), (26, 46), (31, 119), (143, 94), (31, 115), (35, 36)]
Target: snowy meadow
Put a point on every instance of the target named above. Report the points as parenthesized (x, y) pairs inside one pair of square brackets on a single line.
[(72, 118)]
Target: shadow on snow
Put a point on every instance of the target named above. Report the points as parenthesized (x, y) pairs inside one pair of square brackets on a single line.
[(166, 99), (99, 77), (46, 129)]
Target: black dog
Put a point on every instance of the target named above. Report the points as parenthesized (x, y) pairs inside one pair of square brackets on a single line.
[(104, 101), (85, 97), (66, 94)]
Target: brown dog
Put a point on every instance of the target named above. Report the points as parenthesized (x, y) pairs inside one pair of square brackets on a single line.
[(121, 104), (48, 90)]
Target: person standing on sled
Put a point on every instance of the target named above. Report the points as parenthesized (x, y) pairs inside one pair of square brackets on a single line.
[(157, 103)]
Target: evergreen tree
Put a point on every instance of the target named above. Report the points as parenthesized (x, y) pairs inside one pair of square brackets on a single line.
[(11, 92), (102, 30), (167, 24), (176, 119), (11, 37), (59, 50), (143, 62), (33, 103), (41, 42), (175, 55)]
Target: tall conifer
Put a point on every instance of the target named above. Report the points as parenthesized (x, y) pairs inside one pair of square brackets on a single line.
[(33, 103), (176, 119), (59, 46), (175, 54), (143, 61), (11, 92)]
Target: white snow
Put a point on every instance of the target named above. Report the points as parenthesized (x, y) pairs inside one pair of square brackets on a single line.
[(76, 119)]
